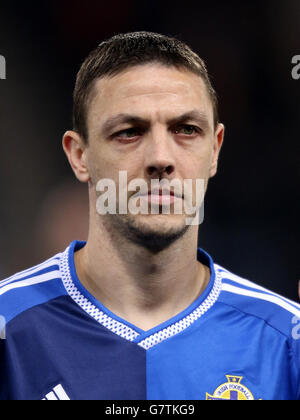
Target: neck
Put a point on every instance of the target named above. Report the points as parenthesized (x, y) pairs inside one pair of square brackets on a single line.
[(143, 288)]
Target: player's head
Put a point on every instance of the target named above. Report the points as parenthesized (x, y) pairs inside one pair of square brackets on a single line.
[(123, 51), (144, 104)]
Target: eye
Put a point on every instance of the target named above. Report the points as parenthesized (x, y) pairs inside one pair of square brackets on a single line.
[(128, 134), (187, 130)]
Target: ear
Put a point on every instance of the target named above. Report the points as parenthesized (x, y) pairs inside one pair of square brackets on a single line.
[(75, 149), (218, 141)]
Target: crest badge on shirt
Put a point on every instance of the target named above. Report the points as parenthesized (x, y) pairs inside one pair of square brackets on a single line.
[(231, 390)]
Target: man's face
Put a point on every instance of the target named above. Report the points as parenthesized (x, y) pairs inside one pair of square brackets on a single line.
[(154, 122)]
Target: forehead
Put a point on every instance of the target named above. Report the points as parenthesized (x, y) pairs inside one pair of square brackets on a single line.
[(149, 90)]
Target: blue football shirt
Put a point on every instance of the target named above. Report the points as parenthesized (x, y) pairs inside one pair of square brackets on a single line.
[(237, 341)]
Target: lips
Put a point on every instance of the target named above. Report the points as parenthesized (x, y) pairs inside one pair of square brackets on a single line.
[(161, 196), (163, 193)]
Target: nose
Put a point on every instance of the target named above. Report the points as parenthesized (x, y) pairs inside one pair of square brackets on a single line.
[(159, 156)]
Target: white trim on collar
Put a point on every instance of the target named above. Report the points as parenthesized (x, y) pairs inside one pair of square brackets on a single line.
[(123, 330)]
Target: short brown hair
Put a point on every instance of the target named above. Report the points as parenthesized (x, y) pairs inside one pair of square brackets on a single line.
[(127, 50)]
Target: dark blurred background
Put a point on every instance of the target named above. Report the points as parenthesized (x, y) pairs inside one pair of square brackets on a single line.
[(252, 208)]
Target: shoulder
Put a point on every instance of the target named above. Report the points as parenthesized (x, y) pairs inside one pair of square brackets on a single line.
[(30, 288), (248, 297)]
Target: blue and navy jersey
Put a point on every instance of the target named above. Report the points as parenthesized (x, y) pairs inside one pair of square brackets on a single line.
[(237, 341)]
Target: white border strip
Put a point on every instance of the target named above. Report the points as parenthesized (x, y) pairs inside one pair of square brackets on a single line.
[(269, 298), (29, 282), (185, 322), (49, 263)]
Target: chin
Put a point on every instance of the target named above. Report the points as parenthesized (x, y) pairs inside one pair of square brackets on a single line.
[(159, 222), (157, 232)]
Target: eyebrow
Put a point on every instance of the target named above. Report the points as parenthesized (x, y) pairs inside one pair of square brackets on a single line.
[(124, 118), (112, 122), (195, 115)]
